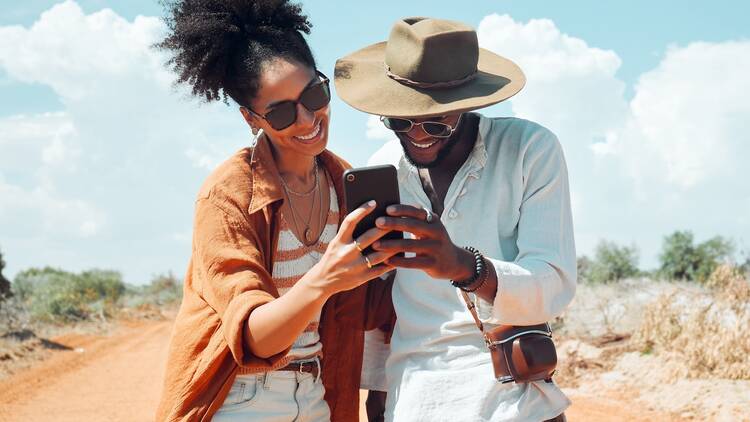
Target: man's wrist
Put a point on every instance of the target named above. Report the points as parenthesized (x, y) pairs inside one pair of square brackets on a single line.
[(479, 272), (480, 281), (466, 265)]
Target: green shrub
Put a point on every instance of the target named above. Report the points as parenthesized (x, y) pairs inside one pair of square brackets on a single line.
[(55, 295), (611, 263), (681, 259), (583, 263), (164, 289)]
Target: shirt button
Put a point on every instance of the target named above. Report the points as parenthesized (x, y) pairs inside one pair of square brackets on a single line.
[(452, 214)]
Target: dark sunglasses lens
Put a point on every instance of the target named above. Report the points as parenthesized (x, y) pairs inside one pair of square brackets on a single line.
[(399, 125), (282, 116), (436, 129), (316, 96)]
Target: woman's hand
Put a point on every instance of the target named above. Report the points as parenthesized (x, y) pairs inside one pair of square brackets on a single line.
[(344, 266)]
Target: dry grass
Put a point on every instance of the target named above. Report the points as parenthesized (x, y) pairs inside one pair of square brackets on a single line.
[(708, 333)]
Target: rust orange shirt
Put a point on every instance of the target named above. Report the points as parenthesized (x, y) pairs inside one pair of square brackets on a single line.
[(235, 233)]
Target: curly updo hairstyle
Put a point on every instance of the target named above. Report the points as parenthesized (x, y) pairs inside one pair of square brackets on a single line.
[(220, 46)]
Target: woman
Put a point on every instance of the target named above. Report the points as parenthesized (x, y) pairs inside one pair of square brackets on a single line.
[(276, 287)]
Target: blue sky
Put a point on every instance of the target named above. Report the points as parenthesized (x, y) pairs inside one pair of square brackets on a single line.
[(100, 158)]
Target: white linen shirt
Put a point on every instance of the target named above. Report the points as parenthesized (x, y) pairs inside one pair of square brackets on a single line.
[(510, 200)]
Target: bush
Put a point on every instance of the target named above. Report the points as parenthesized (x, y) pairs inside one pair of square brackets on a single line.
[(708, 334), (682, 260), (164, 289), (611, 263), (56, 295), (731, 286), (13, 316)]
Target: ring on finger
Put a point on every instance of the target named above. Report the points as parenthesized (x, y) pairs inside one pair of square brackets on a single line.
[(367, 260), (359, 248)]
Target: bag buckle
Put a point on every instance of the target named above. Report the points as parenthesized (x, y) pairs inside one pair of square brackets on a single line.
[(489, 343)]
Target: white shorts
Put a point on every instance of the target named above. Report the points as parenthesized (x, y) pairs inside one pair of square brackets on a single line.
[(278, 396)]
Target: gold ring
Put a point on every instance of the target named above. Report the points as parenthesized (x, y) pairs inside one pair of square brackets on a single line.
[(367, 260), (359, 248)]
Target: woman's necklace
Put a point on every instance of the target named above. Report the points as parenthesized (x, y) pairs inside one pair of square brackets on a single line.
[(312, 189), (307, 234)]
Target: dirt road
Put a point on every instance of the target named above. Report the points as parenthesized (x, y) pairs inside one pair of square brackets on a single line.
[(118, 378)]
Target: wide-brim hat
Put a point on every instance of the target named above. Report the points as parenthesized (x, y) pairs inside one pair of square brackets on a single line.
[(428, 67)]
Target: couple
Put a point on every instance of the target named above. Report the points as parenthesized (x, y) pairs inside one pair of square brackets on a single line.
[(278, 293)]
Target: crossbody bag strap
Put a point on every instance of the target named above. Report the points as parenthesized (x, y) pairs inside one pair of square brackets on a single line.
[(473, 310)]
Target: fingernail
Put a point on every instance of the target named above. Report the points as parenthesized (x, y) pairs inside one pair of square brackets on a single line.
[(380, 221), (391, 209), (371, 203)]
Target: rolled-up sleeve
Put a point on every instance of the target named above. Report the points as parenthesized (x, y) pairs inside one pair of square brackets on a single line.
[(233, 279), (541, 281)]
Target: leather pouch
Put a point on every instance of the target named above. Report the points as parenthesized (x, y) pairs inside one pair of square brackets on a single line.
[(519, 353)]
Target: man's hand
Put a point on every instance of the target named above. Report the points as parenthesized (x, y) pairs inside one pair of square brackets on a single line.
[(435, 252)]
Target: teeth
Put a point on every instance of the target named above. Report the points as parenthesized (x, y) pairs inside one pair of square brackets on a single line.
[(313, 134), (423, 146)]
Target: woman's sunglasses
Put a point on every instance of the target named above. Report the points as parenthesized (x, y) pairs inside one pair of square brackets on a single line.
[(284, 114), (436, 129)]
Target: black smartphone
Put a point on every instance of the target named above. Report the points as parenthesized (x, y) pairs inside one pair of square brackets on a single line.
[(367, 183)]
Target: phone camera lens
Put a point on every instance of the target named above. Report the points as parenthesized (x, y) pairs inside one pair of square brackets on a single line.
[(349, 177)]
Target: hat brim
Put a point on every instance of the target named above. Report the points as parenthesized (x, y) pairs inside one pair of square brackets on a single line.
[(361, 81)]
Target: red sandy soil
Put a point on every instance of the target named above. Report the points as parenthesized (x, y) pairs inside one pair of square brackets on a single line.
[(119, 378)]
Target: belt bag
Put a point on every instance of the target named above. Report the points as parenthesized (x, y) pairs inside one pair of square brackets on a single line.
[(519, 353)]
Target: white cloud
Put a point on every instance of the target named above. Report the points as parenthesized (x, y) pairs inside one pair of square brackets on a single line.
[(110, 178), (76, 54), (692, 113), (570, 86), (44, 138), (39, 210)]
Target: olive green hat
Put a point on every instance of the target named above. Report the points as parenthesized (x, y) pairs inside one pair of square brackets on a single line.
[(428, 67)]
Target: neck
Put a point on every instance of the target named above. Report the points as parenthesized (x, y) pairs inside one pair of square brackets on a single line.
[(465, 138), (295, 168)]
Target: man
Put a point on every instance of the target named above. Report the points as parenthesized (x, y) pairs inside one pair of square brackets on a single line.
[(486, 209)]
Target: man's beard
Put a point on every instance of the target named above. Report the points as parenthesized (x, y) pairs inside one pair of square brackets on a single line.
[(447, 148)]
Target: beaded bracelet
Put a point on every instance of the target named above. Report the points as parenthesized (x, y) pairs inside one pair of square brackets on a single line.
[(482, 280), (480, 272)]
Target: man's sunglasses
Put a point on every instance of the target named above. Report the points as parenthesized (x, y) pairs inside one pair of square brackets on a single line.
[(316, 96), (435, 129)]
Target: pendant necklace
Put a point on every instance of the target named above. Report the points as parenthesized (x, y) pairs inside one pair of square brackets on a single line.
[(307, 234)]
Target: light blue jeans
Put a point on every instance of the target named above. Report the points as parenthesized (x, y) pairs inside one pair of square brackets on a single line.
[(278, 396)]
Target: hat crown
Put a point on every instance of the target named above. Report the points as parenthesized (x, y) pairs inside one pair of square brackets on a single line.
[(426, 50)]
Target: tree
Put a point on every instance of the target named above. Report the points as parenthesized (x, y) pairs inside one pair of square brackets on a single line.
[(4, 283), (611, 263), (677, 255), (682, 260)]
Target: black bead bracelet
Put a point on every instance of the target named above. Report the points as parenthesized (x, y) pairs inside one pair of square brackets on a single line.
[(480, 272)]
